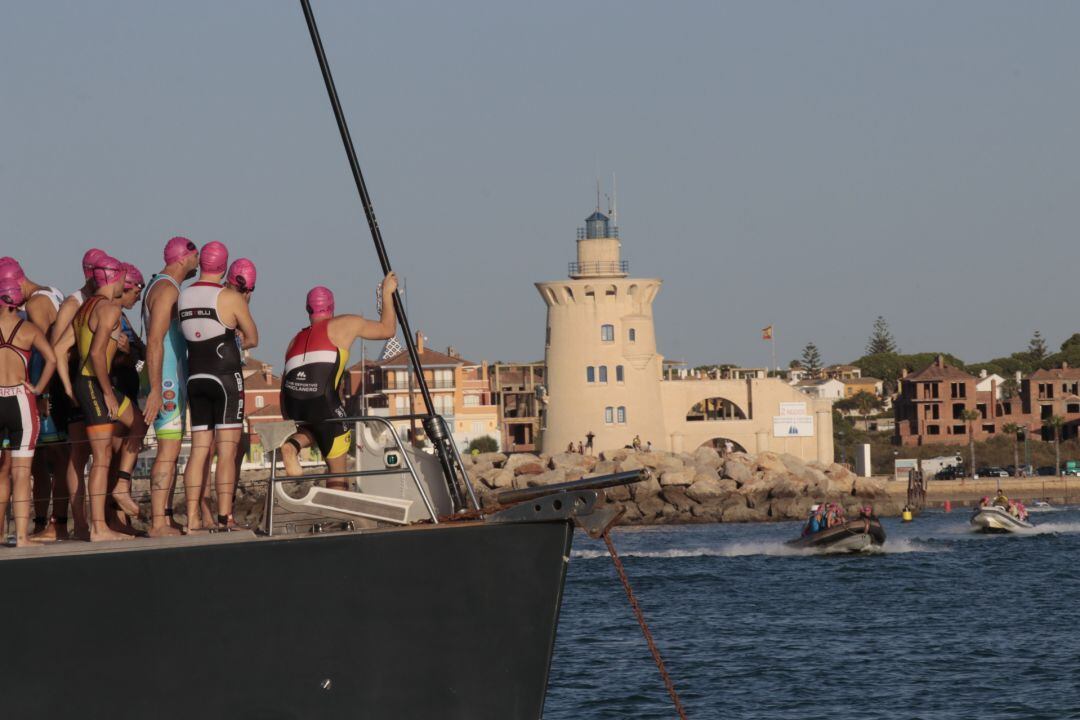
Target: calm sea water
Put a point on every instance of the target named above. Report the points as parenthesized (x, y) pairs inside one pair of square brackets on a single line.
[(944, 623)]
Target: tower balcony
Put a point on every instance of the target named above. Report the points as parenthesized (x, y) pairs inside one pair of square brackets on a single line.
[(599, 268)]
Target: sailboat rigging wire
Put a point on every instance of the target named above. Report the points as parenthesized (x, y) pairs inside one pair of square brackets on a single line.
[(440, 442)]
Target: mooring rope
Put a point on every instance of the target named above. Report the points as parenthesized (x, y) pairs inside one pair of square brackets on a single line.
[(644, 626)]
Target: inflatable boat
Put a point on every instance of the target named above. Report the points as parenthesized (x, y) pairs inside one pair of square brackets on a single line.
[(995, 519), (853, 536)]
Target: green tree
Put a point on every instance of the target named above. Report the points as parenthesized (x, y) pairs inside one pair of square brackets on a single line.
[(484, 444), (970, 416), (881, 339), (811, 360), (1009, 388), (1055, 423), (1037, 347), (1014, 430)]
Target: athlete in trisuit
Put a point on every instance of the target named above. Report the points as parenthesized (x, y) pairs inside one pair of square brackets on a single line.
[(50, 460), (210, 316), (97, 329), (166, 360), (125, 376), (64, 403), (314, 364), (19, 421)]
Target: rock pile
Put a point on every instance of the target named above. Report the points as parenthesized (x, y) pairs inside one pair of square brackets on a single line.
[(692, 487)]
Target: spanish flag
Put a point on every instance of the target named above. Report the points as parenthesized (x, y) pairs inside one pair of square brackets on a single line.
[(766, 333)]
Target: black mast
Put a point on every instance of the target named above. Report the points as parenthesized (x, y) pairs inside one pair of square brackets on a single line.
[(432, 425)]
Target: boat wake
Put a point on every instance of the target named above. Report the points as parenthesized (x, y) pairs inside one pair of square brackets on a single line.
[(775, 549)]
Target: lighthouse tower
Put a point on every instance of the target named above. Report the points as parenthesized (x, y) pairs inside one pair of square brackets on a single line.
[(603, 371)]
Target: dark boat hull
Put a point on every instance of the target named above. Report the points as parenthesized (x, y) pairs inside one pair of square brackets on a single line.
[(433, 622), (852, 536)]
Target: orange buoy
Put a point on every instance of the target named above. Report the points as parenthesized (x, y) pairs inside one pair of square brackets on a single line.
[(948, 506)]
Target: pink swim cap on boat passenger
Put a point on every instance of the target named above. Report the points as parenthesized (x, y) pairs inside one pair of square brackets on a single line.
[(213, 258), (89, 260), (107, 270), (242, 275), (320, 301), (132, 277), (178, 248), (10, 269), (10, 293)]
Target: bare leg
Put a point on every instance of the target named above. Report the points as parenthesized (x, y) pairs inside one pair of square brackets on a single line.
[(101, 452), (78, 456), (54, 458), (225, 475), (22, 500), (135, 431), (204, 496), (290, 456), (42, 489), (340, 464), (162, 478), (5, 491), (193, 475)]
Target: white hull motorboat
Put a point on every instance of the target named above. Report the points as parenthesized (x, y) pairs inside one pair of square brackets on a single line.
[(997, 519)]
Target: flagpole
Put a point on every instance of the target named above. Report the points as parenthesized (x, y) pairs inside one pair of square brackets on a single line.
[(772, 343)]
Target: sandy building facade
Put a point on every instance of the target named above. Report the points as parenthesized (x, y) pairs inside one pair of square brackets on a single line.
[(605, 375)]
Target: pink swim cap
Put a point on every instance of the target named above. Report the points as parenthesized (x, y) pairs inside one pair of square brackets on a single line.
[(178, 248), (10, 293), (132, 277), (320, 301), (107, 270), (242, 275), (213, 258), (89, 260), (10, 269)]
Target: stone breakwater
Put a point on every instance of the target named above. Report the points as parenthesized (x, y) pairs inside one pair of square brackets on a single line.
[(692, 487)]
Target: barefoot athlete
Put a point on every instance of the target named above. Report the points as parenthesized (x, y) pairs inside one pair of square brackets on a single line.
[(50, 460), (314, 365), (19, 421), (97, 329), (166, 359), (64, 403), (125, 376), (210, 316)]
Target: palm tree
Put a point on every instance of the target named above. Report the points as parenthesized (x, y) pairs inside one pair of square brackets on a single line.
[(1014, 430), (970, 416)]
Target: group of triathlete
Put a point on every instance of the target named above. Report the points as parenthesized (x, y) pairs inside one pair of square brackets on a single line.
[(1014, 507), (72, 372)]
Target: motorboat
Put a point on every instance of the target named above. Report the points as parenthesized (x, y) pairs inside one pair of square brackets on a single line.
[(997, 519), (853, 536), (1041, 506)]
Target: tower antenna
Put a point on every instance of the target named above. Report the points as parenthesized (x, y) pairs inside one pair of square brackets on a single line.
[(614, 202), (597, 193)]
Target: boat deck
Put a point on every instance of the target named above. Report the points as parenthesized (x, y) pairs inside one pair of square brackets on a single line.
[(81, 547)]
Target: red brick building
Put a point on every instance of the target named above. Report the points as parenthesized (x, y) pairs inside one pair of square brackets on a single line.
[(932, 402)]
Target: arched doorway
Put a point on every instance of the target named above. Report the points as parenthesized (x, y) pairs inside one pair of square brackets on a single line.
[(715, 408), (720, 445)]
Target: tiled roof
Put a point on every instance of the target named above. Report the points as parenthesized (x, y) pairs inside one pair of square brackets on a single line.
[(939, 370), (1062, 373), (257, 381), (428, 358)]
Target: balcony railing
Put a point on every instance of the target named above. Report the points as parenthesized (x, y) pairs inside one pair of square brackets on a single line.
[(432, 384), (600, 267)]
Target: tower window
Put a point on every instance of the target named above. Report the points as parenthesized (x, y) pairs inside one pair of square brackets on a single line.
[(609, 415), (622, 415), (607, 333), (590, 374), (618, 373), (632, 334), (603, 373)]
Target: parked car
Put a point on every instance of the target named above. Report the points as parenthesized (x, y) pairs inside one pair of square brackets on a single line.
[(950, 473), (1070, 467), (1025, 471), (992, 472), (1046, 470)]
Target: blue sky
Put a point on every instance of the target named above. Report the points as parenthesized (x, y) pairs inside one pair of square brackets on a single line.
[(809, 165)]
